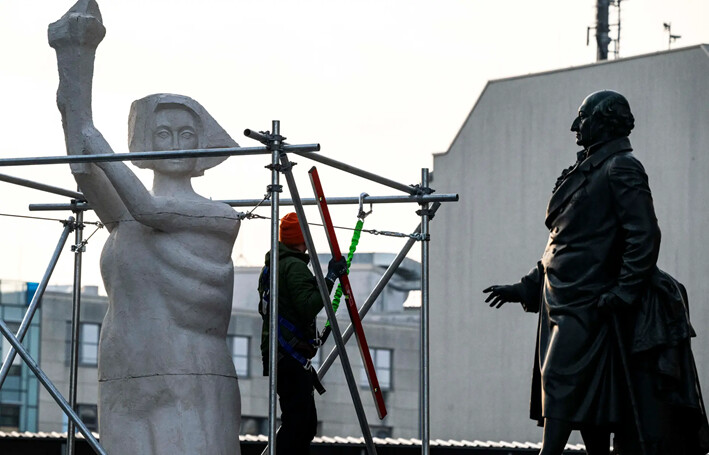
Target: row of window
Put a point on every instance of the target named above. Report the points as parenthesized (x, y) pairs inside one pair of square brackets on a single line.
[(240, 347)]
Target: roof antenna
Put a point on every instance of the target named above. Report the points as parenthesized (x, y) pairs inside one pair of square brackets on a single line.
[(671, 38)]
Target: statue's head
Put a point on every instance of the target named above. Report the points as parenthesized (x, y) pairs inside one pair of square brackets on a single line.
[(603, 115), (174, 122)]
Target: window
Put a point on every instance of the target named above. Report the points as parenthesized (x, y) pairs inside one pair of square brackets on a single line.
[(6, 346), (88, 413), (382, 360), (239, 347), (88, 343), (12, 388), (9, 417)]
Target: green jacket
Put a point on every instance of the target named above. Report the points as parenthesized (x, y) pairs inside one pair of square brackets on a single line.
[(299, 299)]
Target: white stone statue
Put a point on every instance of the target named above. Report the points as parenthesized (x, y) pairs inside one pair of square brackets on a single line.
[(167, 384)]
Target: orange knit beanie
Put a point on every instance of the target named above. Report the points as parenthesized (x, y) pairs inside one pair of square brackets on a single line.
[(289, 232)]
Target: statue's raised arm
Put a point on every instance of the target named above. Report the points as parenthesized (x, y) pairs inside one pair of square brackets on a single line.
[(75, 38)]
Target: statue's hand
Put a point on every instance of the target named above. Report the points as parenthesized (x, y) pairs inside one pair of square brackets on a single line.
[(81, 26), (503, 293)]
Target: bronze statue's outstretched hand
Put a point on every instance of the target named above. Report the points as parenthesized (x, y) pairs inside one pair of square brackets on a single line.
[(81, 26), (502, 293)]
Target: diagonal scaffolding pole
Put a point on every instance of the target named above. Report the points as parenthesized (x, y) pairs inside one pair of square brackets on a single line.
[(360, 173), (373, 296), (378, 288), (36, 299), (337, 335), (341, 166), (44, 380), (425, 358)]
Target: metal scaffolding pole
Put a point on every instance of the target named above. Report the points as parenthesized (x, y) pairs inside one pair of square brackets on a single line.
[(158, 155), (359, 172), (337, 335), (44, 380), (352, 200), (425, 360), (78, 249), (36, 299), (347, 200), (275, 189), (41, 187)]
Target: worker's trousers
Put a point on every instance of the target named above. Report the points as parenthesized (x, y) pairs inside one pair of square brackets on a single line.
[(299, 417)]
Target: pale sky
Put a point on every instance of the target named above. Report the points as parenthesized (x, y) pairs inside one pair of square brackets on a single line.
[(382, 85)]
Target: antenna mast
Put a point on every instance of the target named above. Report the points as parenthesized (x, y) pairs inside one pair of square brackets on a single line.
[(671, 38), (603, 28)]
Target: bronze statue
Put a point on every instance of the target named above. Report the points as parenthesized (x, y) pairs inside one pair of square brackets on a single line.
[(597, 287)]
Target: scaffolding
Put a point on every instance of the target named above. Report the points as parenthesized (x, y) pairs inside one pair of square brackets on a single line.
[(273, 144)]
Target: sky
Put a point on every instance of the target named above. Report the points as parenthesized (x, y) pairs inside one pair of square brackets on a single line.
[(381, 85)]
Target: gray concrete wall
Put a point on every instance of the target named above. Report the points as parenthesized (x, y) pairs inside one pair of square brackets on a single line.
[(503, 163)]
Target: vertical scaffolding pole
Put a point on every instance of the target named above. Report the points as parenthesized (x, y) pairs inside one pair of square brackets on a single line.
[(425, 366), (78, 249), (275, 189), (336, 333), (36, 298)]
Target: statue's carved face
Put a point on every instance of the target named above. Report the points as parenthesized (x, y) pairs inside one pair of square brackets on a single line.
[(175, 129)]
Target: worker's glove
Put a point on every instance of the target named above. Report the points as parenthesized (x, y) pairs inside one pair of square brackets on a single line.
[(609, 303), (503, 293), (336, 268)]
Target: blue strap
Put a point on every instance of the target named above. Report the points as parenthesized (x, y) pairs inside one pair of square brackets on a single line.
[(292, 328), (293, 353)]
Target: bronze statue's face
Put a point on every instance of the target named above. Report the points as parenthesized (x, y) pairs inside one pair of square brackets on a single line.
[(175, 129), (603, 115), (587, 126), (582, 127)]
